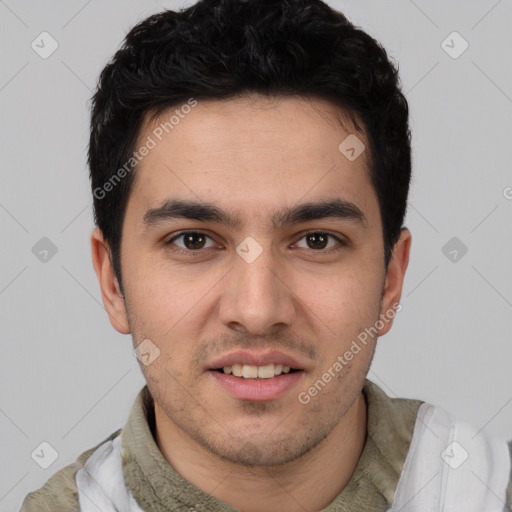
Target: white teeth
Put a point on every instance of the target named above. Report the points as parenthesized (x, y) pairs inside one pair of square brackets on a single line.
[(266, 372), (237, 370), (249, 371)]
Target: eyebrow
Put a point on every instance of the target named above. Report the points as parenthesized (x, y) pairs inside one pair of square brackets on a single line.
[(205, 212)]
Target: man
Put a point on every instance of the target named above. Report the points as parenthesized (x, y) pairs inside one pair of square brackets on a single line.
[(250, 164)]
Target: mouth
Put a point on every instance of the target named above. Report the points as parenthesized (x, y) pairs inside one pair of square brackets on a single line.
[(256, 376), (249, 371)]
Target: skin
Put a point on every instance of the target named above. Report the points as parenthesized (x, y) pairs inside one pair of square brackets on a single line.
[(252, 156)]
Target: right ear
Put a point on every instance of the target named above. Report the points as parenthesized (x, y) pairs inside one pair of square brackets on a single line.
[(113, 299)]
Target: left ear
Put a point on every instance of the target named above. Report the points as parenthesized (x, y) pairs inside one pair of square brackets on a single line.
[(394, 279)]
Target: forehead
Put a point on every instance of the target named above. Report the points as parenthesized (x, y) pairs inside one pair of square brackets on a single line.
[(253, 154)]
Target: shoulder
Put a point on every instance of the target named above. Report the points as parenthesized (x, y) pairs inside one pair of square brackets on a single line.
[(470, 467), (59, 493)]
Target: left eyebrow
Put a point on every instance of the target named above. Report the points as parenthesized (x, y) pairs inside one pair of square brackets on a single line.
[(336, 208), (204, 212)]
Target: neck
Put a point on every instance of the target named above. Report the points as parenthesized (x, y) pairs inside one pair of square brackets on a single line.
[(308, 483)]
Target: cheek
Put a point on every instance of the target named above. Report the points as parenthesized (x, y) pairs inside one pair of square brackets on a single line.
[(345, 299), (169, 307), (160, 294)]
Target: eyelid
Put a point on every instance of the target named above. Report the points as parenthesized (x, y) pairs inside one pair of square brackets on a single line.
[(340, 240), (180, 234)]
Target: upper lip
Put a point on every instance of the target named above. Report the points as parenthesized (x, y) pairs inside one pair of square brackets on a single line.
[(256, 359)]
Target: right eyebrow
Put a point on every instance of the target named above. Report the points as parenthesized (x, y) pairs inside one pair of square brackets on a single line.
[(179, 209)]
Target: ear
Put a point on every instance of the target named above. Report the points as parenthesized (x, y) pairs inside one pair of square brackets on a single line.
[(113, 299), (394, 280)]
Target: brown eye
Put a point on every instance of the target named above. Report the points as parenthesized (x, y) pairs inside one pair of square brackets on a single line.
[(194, 241), (191, 241), (319, 240)]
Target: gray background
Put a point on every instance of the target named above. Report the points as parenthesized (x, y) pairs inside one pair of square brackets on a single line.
[(68, 378)]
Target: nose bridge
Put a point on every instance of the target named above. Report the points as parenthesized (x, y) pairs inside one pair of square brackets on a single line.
[(256, 296), (258, 278)]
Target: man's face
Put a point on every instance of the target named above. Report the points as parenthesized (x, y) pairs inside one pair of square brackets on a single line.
[(265, 289)]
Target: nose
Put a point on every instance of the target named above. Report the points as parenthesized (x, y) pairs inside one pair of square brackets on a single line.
[(257, 298)]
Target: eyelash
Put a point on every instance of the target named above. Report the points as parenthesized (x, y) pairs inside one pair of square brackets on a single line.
[(190, 252)]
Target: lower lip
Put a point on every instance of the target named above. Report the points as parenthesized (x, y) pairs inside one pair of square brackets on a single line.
[(257, 390)]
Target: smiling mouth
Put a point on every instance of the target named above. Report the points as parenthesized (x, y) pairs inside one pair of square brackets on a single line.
[(248, 371)]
